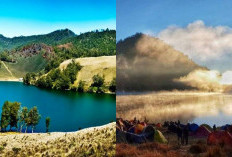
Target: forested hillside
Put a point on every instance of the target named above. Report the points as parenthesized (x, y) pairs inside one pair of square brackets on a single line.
[(49, 39), (41, 53)]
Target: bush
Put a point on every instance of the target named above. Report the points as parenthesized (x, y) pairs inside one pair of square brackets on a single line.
[(16, 150), (98, 81), (197, 148), (81, 86), (112, 86)]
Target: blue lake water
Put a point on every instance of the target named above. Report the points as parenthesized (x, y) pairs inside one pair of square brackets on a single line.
[(67, 110)]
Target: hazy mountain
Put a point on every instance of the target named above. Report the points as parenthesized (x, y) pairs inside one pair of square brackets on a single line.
[(145, 63)]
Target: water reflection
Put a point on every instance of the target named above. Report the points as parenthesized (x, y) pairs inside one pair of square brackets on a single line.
[(210, 108)]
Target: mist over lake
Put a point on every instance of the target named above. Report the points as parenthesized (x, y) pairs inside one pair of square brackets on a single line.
[(193, 107), (68, 110)]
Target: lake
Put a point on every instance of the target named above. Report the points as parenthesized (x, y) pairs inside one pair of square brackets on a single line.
[(200, 108), (67, 110)]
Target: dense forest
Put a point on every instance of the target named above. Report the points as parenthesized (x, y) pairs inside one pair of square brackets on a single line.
[(51, 39)]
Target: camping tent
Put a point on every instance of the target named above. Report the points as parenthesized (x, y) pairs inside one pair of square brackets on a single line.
[(159, 137), (146, 135), (193, 127), (208, 127), (137, 129), (220, 137), (224, 127), (202, 132)]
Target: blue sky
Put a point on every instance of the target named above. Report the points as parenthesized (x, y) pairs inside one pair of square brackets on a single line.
[(154, 15), (29, 17)]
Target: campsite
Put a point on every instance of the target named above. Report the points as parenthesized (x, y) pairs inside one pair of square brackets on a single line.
[(141, 138)]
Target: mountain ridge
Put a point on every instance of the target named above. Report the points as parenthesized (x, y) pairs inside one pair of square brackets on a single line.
[(49, 39)]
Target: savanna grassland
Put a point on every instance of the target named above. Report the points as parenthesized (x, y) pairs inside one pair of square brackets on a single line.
[(98, 141)]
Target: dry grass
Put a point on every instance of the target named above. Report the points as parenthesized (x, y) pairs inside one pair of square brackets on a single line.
[(145, 150), (99, 141), (198, 149), (105, 66)]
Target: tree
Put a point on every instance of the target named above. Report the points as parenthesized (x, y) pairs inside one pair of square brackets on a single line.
[(47, 123), (112, 87), (5, 116), (22, 117), (33, 117), (27, 79), (14, 116), (71, 70), (98, 84), (98, 81), (81, 86), (62, 83)]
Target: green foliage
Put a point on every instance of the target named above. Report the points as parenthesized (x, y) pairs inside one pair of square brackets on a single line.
[(10, 114), (112, 86), (33, 117), (71, 70), (2, 148), (60, 80), (54, 63), (97, 85), (62, 83), (81, 86), (23, 115), (50, 39), (98, 81), (27, 79), (47, 121), (14, 116), (5, 56), (90, 44), (5, 116)]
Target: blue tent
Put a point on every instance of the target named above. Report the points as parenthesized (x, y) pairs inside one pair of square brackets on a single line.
[(224, 127), (193, 127), (146, 136)]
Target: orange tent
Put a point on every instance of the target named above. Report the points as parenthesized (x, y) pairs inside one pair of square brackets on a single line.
[(139, 128), (158, 125), (220, 137)]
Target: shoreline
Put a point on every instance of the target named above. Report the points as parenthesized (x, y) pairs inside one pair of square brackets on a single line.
[(10, 80)]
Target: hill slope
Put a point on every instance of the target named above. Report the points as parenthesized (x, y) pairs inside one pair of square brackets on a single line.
[(145, 63), (57, 47), (104, 66), (50, 39)]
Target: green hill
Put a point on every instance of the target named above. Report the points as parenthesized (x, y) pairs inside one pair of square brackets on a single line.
[(49, 39), (42, 53), (92, 74)]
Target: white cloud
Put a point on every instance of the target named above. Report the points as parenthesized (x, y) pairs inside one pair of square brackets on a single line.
[(226, 78), (200, 42)]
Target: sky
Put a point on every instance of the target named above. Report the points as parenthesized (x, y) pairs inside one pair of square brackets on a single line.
[(201, 29), (29, 17)]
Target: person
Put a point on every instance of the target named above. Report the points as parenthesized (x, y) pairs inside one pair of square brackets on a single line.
[(186, 134), (214, 127), (179, 134)]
